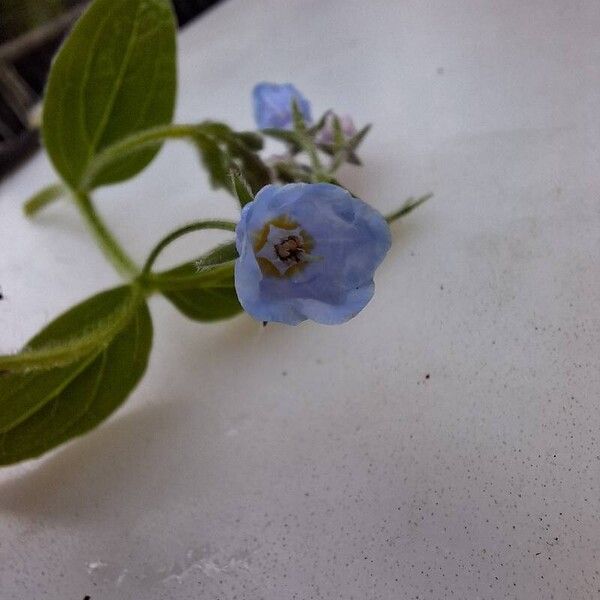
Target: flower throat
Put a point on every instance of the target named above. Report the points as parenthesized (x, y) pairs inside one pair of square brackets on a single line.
[(282, 247)]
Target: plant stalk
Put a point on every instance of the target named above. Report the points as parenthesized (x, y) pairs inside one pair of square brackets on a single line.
[(107, 242)]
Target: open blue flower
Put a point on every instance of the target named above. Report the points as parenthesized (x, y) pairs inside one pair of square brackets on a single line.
[(308, 251), (273, 105)]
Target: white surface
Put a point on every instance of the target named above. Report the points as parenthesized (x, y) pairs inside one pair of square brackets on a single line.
[(315, 462)]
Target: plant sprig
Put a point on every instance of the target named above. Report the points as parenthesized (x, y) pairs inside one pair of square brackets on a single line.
[(71, 376)]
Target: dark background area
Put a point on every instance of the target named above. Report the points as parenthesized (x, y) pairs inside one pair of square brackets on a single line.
[(30, 33)]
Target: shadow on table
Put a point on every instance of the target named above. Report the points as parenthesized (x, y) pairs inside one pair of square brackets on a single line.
[(111, 469), (133, 462)]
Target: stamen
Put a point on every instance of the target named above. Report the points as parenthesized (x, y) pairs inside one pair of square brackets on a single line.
[(282, 248), (290, 248)]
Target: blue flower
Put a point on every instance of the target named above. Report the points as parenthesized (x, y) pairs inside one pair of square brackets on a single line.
[(273, 105), (308, 251)]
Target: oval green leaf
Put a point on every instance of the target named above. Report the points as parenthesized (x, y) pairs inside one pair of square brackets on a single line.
[(210, 300), (114, 75), (42, 409)]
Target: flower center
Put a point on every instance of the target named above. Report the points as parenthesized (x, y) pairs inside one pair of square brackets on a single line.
[(290, 248), (282, 247)]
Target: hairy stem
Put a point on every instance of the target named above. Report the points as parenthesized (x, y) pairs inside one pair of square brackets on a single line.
[(109, 245), (68, 351), (174, 235)]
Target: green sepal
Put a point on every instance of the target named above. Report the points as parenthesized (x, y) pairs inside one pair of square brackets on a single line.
[(223, 150), (314, 129), (242, 189), (409, 205), (284, 135)]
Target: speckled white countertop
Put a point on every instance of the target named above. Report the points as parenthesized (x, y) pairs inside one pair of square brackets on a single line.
[(445, 443)]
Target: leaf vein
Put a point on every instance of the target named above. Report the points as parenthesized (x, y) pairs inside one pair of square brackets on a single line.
[(117, 86)]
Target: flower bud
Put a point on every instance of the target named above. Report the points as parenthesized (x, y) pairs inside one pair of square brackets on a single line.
[(273, 105)]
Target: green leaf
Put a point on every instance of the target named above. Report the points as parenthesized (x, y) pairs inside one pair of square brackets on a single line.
[(44, 408), (253, 140), (22, 394), (220, 255), (215, 161), (62, 342), (207, 298), (114, 75)]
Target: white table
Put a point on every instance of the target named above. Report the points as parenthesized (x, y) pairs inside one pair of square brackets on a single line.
[(445, 443)]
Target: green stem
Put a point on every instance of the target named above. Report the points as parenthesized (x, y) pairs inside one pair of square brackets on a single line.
[(407, 207), (69, 351), (174, 235), (134, 142), (43, 198), (109, 245), (307, 144)]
